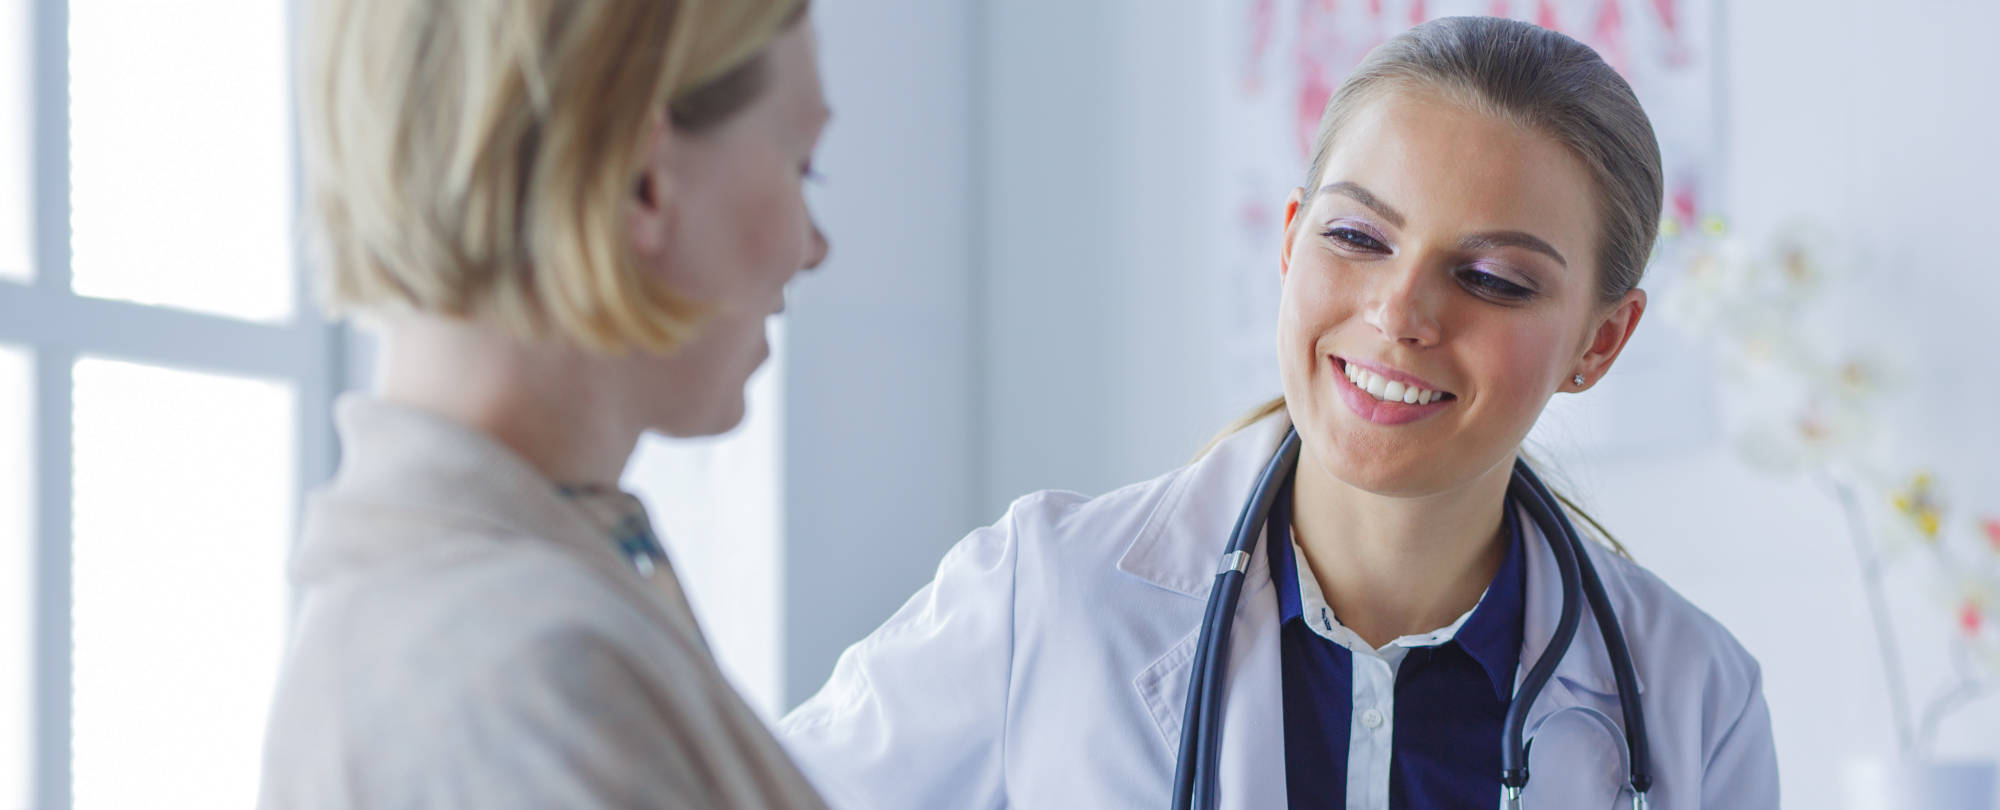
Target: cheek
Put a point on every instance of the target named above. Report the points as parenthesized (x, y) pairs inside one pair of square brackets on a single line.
[(770, 228), (1313, 301), (742, 237), (1520, 356)]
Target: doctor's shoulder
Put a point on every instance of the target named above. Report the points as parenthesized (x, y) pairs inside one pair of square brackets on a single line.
[(1069, 545), (1660, 616), (1696, 673)]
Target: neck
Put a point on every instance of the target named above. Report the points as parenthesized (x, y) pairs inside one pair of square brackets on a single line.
[(1392, 566), (544, 400)]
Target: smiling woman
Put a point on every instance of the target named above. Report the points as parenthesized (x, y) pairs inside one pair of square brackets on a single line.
[(1467, 244)]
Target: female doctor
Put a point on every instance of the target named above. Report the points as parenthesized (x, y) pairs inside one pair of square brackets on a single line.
[(1481, 203)]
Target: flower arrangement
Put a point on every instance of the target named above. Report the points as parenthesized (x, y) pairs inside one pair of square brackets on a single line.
[(1809, 404)]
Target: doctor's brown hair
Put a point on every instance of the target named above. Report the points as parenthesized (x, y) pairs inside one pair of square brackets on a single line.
[(1540, 80), (477, 159)]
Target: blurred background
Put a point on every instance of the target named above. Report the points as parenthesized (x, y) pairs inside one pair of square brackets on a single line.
[(1054, 228)]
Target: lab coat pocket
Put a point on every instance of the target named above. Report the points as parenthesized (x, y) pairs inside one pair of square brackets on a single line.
[(1576, 759)]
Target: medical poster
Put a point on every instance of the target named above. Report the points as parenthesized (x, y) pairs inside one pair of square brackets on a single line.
[(1287, 56)]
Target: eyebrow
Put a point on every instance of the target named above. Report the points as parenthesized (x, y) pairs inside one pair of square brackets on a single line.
[(1478, 241), (1361, 195), (1515, 239)]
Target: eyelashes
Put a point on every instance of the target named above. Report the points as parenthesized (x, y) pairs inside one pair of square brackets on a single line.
[(1494, 286), (1488, 285), (1357, 239)]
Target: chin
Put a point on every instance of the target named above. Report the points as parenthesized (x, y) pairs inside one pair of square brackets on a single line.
[(1387, 479), (1380, 468), (722, 418)]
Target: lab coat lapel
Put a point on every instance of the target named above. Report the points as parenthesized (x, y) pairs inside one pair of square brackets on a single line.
[(1251, 764), (1180, 545)]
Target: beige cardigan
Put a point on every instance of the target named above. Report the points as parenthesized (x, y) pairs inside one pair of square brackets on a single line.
[(469, 638)]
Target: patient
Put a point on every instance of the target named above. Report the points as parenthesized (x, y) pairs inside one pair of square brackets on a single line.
[(569, 220)]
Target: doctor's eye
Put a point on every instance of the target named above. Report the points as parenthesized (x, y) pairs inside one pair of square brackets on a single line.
[(1355, 239), (1493, 286)]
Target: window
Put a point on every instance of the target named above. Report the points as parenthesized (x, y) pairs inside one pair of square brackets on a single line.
[(179, 155), (183, 494), (164, 397)]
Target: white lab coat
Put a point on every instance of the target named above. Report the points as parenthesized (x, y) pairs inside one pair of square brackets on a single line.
[(1047, 667)]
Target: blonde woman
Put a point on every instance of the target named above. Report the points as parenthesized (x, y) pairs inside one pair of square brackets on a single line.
[(1466, 245), (569, 220)]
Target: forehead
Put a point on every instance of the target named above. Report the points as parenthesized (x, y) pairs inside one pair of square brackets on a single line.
[(1450, 168), (794, 70)]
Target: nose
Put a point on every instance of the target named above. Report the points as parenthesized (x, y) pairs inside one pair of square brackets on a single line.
[(1404, 309), (816, 245)]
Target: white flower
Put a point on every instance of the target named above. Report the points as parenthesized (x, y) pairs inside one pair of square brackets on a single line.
[(1814, 435), (1798, 262), (1709, 284)]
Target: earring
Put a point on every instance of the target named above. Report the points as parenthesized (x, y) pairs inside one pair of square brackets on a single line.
[(1578, 379)]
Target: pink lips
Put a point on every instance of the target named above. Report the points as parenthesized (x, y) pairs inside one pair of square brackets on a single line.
[(1379, 411)]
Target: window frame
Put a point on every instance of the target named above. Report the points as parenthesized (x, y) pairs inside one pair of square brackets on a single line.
[(57, 326)]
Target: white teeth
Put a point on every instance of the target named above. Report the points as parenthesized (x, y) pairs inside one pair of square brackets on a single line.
[(1388, 390)]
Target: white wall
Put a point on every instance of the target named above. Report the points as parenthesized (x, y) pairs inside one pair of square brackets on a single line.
[(881, 415), (1101, 199)]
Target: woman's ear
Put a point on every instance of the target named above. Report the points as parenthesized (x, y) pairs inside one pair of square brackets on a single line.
[(1613, 331), (650, 209), (1292, 204)]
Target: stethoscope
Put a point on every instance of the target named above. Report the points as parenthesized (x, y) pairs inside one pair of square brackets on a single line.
[(1201, 725)]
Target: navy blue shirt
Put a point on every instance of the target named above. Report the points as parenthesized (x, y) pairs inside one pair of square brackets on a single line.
[(1449, 701)]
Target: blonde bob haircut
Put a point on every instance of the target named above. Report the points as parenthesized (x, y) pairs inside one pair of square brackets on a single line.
[(475, 158)]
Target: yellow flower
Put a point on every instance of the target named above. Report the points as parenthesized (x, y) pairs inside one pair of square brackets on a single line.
[(1919, 505)]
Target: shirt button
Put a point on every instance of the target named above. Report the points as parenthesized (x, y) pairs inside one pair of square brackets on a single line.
[(1372, 718)]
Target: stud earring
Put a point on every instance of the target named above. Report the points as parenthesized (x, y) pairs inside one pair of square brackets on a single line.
[(1578, 379)]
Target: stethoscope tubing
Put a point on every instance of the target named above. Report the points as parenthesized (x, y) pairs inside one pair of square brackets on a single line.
[(1513, 750), (1195, 776)]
